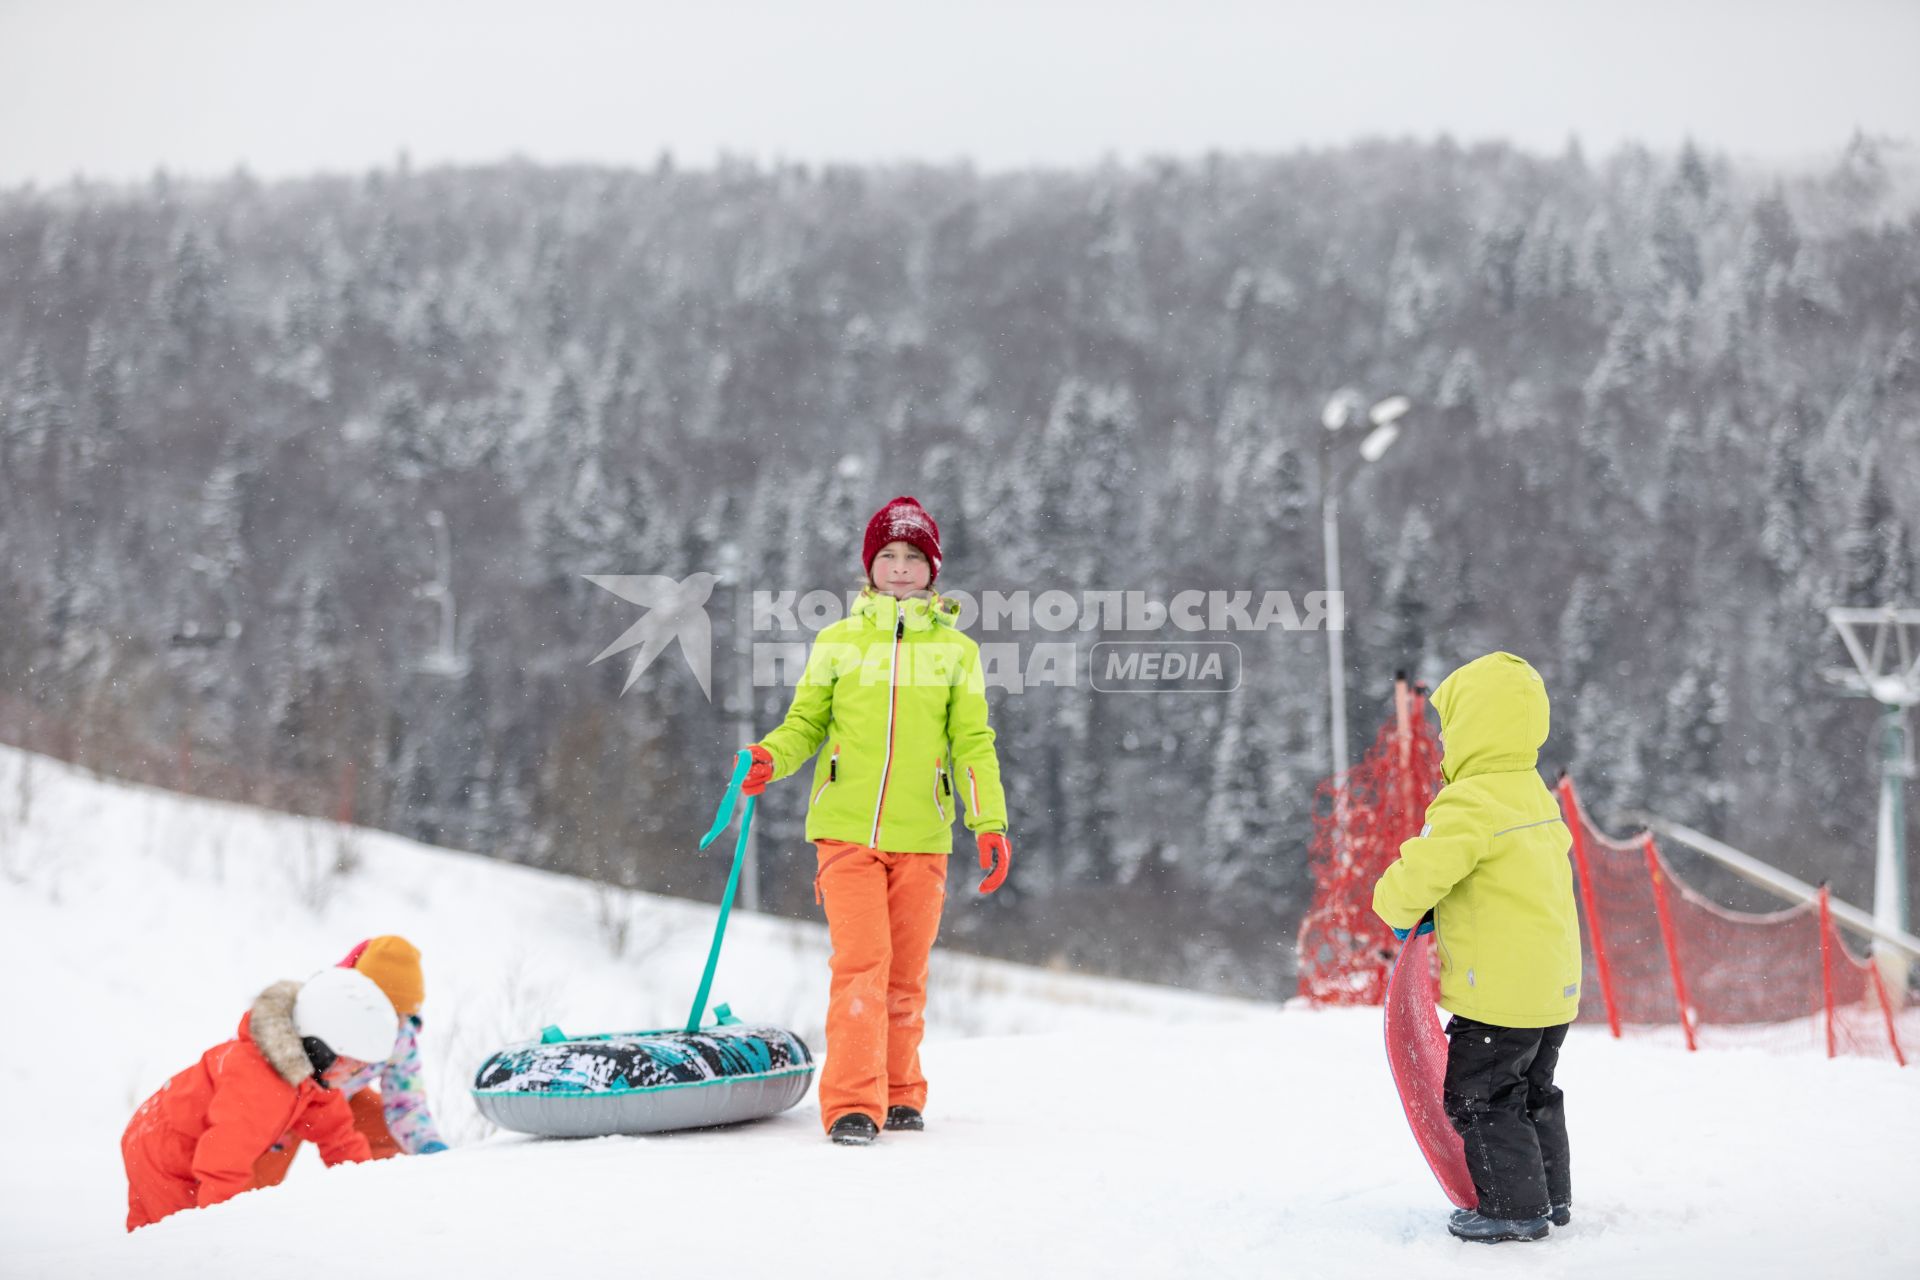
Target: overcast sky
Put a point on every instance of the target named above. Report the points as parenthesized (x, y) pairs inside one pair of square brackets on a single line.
[(116, 88)]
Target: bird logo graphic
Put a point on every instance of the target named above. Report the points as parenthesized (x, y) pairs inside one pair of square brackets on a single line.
[(675, 611)]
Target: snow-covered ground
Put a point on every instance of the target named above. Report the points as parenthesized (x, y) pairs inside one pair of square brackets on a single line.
[(1078, 1126)]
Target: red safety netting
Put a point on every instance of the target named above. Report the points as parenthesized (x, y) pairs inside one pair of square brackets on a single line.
[(1654, 947), (1346, 952)]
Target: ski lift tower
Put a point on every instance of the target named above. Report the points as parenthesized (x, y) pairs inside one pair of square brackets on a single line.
[(1884, 644), (444, 659)]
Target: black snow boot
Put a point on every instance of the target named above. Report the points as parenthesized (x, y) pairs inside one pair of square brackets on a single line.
[(905, 1118), (853, 1130), (1562, 1214), (1467, 1224)]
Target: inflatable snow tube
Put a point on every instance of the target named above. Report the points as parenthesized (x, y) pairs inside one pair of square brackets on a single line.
[(562, 1086)]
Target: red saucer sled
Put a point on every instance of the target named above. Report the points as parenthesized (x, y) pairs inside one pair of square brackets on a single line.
[(1417, 1053)]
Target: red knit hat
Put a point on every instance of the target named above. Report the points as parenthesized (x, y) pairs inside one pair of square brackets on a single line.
[(903, 520)]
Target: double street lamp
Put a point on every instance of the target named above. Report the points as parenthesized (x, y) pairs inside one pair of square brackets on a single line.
[(1343, 411)]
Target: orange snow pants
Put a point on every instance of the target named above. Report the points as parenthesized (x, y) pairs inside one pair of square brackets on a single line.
[(883, 910), (369, 1117)]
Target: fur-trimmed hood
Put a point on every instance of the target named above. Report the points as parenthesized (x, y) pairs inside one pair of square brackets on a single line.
[(269, 1024)]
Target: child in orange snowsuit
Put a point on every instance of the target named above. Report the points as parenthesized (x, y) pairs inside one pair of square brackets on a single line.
[(194, 1143), (892, 710)]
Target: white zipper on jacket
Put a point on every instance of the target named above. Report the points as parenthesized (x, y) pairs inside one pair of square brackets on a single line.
[(833, 770), (893, 696)]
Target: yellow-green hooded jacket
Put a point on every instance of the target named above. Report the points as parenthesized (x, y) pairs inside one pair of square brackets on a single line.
[(1492, 859), (893, 709)]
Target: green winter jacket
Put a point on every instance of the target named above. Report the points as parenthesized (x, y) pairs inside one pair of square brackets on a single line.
[(893, 708), (1492, 860)]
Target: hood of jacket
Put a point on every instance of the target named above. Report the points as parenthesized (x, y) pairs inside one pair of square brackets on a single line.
[(269, 1024), (1494, 717), (922, 609)]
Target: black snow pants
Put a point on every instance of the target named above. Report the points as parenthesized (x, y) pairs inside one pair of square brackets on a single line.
[(1501, 1099)]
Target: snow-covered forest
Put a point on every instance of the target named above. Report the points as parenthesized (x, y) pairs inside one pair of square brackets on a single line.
[(1667, 409)]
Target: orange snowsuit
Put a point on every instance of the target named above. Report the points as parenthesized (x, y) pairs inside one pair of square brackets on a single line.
[(270, 1170), (883, 910), (194, 1143)]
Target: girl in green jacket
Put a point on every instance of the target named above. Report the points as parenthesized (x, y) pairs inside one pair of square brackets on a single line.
[(892, 710)]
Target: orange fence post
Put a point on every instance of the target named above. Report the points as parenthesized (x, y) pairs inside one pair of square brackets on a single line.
[(1570, 810), (1886, 1011), (1667, 936), (1826, 966), (1405, 708), (349, 778)]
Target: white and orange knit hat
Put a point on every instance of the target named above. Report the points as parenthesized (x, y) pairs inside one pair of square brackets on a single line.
[(394, 965)]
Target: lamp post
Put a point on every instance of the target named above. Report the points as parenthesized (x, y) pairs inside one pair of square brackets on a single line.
[(1342, 411)]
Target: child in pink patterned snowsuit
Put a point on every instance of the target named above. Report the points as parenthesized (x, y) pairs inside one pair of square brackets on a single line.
[(394, 1118)]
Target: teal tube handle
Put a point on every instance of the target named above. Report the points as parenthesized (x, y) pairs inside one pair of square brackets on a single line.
[(742, 763), (720, 821)]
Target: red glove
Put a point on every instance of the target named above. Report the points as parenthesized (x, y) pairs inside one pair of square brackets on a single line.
[(996, 855), (760, 774)]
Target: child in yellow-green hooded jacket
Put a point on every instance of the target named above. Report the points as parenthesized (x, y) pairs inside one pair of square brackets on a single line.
[(1490, 877), (892, 710)]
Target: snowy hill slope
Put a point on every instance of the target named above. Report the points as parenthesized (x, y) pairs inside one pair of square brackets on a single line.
[(1080, 1126)]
